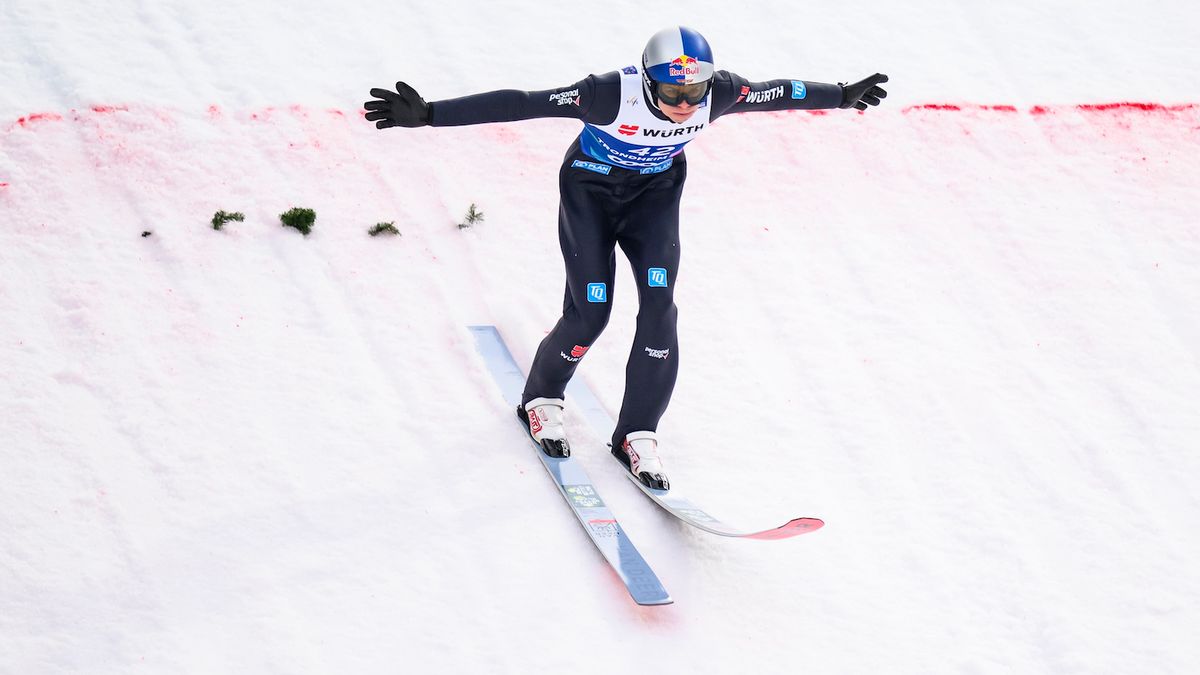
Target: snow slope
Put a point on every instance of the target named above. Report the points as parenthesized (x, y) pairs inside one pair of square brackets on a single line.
[(961, 328)]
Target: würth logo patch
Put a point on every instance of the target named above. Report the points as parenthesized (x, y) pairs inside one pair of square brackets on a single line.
[(627, 129), (577, 353)]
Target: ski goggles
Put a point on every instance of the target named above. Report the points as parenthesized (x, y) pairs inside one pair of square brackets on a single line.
[(674, 94)]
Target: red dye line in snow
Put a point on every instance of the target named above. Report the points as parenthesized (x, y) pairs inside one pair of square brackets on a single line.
[(954, 107), (266, 114), (1146, 107), (38, 117), (1046, 110), (933, 106)]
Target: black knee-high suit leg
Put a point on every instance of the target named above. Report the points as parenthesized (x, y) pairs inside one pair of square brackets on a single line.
[(598, 212)]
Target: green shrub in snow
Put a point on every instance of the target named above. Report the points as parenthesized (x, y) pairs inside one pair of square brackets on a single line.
[(299, 218), (221, 217), (383, 228), (473, 216)]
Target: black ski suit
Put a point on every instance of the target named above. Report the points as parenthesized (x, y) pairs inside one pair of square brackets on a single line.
[(620, 184)]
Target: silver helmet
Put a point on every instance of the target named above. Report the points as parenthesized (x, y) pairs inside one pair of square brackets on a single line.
[(677, 65)]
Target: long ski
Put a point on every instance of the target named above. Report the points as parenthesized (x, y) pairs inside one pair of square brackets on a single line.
[(573, 482), (673, 501)]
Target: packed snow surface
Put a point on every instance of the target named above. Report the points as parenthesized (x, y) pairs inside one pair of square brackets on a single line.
[(962, 328)]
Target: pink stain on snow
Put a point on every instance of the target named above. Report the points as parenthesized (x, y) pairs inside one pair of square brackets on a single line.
[(265, 114), (933, 106), (33, 118), (958, 107), (1124, 106), (1128, 105)]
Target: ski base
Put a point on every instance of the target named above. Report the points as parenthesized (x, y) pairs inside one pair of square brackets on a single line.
[(574, 484)]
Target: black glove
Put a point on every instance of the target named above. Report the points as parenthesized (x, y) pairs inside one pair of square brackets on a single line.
[(391, 109), (860, 94)]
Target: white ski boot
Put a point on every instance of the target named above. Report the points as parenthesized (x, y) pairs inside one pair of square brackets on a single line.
[(639, 454), (545, 419)]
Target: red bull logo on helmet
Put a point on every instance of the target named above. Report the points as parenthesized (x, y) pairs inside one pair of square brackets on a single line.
[(685, 68)]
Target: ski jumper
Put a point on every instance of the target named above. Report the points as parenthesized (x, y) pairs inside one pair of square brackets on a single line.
[(620, 185)]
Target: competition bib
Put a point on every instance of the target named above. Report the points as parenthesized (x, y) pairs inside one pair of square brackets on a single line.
[(637, 139)]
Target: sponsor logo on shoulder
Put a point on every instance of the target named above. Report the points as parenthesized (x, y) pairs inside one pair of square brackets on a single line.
[(799, 89), (591, 166), (629, 70), (597, 292), (565, 97), (765, 96), (657, 277), (658, 353)]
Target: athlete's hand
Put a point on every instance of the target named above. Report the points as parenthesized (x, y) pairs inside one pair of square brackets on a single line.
[(392, 109), (862, 93)]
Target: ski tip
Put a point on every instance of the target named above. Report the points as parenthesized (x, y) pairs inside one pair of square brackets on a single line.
[(793, 528), (654, 600)]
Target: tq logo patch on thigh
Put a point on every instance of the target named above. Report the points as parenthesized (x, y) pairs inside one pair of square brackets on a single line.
[(597, 292)]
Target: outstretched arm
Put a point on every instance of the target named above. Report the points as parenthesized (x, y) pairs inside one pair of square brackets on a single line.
[(406, 108), (733, 93)]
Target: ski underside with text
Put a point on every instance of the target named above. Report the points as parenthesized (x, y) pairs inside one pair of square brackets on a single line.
[(573, 482)]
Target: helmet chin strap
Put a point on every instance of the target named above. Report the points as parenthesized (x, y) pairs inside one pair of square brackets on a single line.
[(651, 99)]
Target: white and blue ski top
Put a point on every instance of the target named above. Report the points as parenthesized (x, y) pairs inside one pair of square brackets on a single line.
[(621, 128)]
